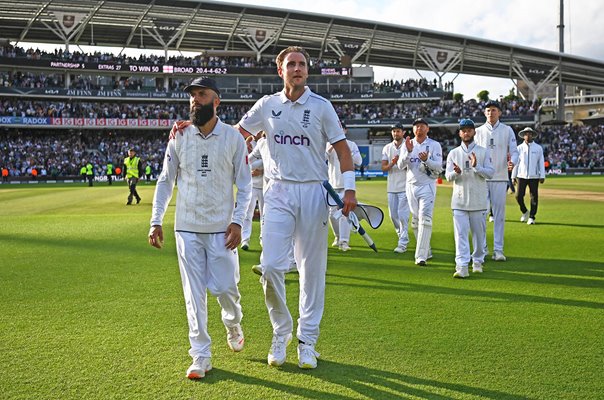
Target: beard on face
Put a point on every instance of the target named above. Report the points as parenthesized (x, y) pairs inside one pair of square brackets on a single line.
[(201, 115)]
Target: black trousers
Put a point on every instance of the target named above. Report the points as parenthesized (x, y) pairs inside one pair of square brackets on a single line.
[(533, 185), (133, 193)]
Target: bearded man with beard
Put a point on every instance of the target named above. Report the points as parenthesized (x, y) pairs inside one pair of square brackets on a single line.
[(206, 160)]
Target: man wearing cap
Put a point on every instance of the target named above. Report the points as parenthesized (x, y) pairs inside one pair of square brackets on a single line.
[(530, 171), (339, 223), (468, 167), (423, 159), (500, 140), (398, 205), (298, 124), (206, 160)]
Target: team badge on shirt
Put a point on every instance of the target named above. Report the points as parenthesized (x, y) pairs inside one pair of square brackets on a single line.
[(204, 166), (306, 119)]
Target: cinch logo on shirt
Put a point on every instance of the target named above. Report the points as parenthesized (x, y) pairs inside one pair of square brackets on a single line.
[(295, 140)]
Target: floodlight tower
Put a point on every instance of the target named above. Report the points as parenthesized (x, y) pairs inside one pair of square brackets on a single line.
[(560, 112)]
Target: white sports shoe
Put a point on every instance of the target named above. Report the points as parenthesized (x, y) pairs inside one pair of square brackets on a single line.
[(477, 268), (531, 221), (307, 356), (257, 269), (461, 272), (498, 256), (491, 219), (200, 366), (277, 354), (344, 246), (524, 217), (235, 337), (245, 245), (335, 243), (400, 249)]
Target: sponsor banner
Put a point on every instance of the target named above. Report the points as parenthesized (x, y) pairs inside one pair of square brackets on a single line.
[(536, 72), (87, 122), (351, 46), (68, 21)]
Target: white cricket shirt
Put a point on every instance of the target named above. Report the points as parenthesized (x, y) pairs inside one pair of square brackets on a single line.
[(205, 169), (297, 133), (333, 163), (500, 140), (422, 173), (397, 176), (531, 164)]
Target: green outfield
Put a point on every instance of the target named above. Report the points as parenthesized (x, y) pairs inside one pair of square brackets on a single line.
[(88, 310)]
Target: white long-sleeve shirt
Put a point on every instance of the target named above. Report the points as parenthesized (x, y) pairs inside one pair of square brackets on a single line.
[(333, 163), (470, 191), (205, 169), (531, 164), (397, 176), (500, 140), (420, 173)]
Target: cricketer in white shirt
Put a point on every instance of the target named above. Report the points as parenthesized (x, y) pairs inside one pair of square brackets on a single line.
[(468, 167), (340, 224), (205, 168), (257, 172), (500, 140), (398, 205), (423, 159), (298, 124)]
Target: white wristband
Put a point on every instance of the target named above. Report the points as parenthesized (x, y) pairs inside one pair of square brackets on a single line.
[(349, 180)]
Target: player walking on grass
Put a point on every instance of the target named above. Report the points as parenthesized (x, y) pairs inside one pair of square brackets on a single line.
[(398, 205), (468, 167), (298, 124), (206, 160), (423, 159), (339, 223), (500, 140), (530, 171)]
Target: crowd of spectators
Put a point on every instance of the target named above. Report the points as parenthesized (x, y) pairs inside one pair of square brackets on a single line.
[(63, 154), (232, 112)]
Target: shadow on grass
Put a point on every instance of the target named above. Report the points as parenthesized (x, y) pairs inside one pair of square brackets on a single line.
[(456, 292), (559, 224), (368, 382)]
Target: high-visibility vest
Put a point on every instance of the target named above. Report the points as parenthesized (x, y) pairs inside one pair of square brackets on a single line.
[(89, 170), (131, 167), (148, 170), (109, 169), (83, 171), (4, 172)]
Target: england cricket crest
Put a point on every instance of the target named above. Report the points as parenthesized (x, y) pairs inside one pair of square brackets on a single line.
[(306, 119), (205, 166)]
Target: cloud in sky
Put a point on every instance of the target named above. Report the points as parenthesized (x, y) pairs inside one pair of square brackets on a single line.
[(519, 22)]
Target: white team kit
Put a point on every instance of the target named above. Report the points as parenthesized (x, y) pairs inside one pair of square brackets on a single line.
[(341, 226), (398, 205), (205, 169), (421, 190), (256, 163), (295, 206), (469, 202), (500, 140)]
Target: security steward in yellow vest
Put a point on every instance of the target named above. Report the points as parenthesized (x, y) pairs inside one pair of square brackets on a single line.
[(133, 170), (109, 172), (89, 173)]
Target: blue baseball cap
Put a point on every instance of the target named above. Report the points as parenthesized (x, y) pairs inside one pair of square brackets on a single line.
[(203, 82), (466, 123), (398, 125)]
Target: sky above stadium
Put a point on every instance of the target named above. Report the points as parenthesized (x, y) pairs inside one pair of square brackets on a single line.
[(520, 22)]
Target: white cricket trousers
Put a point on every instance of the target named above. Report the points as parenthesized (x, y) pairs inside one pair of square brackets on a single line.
[(497, 197), (398, 208), (246, 229), (421, 204), (205, 263), (464, 223), (298, 212), (341, 226)]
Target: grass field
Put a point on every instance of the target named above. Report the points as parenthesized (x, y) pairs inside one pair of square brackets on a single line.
[(88, 310)]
